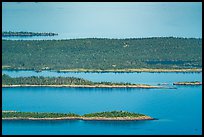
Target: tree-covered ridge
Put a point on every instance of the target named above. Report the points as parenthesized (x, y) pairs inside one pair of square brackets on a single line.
[(37, 115), (23, 33), (108, 114), (113, 114), (103, 54), (35, 80)]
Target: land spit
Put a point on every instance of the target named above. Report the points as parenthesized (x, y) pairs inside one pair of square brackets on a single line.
[(188, 83), (131, 70), (85, 118), (90, 86), (106, 116)]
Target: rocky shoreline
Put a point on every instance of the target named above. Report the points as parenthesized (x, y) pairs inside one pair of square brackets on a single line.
[(198, 70), (119, 118), (85, 118), (131, 70), (88, 86)]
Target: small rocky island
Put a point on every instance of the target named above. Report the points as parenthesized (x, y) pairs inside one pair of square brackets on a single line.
[(188, 83), (35, 81), (23, 34), (112, 115)]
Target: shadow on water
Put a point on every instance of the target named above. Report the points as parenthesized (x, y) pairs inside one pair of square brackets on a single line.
[(108, 89), (41, 122), (72, 89), (91, 122), (116, 123)]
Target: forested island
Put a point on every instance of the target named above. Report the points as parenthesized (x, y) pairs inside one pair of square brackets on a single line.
[(156, 54), (112, 115), (24, 34), (35, 81), (188, 83)]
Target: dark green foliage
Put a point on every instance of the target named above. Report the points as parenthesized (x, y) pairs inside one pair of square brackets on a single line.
[(36, 115), (33, 80), (102, 53), (113, 114)]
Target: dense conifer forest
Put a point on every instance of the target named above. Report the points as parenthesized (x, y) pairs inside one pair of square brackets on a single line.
[(113, 114), (34, 80), (103, 53), (108, 114), (12, 114)]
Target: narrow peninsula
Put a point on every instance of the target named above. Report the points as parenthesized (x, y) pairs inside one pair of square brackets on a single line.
[(112, 115), (35, 81)]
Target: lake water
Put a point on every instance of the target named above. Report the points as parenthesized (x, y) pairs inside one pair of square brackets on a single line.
[(179, 111), (143, 78)]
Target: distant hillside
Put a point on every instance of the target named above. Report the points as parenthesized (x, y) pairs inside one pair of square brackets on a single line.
[(102, 53)]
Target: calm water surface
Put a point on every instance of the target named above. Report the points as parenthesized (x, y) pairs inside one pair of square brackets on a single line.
[(179, 111), (144, 77)]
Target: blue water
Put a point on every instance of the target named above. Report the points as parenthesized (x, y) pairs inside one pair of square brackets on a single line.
[(179, 111)]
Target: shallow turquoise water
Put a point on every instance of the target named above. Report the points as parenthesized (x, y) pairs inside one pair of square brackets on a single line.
[(179, 111)]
